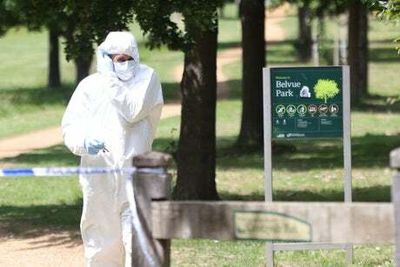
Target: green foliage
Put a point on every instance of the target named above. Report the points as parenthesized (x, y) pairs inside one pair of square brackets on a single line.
[(155, 19), (325, 89), (85, 23), (88, 23), (387, 10), (8, 16)]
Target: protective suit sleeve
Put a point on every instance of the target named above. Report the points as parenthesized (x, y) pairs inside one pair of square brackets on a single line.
[(135, 105), (73, 125)]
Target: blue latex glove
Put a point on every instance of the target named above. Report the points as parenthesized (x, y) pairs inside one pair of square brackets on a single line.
[(93, 146), (104, 63)]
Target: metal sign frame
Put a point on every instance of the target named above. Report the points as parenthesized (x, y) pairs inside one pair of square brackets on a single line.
[(268, 178)]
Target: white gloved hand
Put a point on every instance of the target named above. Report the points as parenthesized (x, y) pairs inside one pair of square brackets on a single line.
[(104, 63), (113, 86)]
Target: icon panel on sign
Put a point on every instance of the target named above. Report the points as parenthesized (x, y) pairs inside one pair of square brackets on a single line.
[(323, 109), (333, 109), (291, 110), (312, 109), (302, 109), (280, 110)]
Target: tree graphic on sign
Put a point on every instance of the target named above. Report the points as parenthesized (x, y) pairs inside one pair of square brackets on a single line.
[(325, 89)]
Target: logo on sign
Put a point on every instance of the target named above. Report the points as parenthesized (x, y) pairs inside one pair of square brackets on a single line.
[(305, 92)]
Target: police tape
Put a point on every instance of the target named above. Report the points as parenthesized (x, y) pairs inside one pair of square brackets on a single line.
[(71, 171)]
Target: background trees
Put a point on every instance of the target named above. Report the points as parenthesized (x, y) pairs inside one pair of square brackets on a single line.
[(8, 16), (252, 15), (82, 24), (357, 56), (85, 24)]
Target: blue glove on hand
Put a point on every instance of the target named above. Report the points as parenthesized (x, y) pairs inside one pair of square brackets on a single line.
[(93, 146), (104, 63)]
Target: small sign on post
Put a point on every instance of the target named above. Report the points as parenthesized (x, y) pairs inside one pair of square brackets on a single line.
[(306, 103)]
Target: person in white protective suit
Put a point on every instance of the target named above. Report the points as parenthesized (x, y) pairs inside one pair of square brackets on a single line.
[(111, 117)]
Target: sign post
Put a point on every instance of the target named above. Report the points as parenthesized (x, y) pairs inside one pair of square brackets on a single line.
[(303, 103)]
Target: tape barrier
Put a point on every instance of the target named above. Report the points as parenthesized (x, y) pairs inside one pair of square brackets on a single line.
[(71, 171)]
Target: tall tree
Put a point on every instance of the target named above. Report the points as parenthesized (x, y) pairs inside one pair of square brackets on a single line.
[(252, 14), (304, 46), (197, 140), (358, 50), (54, 79), (196, 36)]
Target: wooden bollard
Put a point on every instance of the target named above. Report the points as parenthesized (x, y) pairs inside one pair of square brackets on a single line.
[(151, 182), (395, 164)]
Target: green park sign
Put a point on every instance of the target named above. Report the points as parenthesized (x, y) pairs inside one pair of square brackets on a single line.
[(306, 102)]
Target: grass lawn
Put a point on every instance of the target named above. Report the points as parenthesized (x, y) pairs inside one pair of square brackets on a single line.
[(312, 173)]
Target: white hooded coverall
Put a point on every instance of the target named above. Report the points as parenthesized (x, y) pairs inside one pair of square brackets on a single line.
[(123, 114)]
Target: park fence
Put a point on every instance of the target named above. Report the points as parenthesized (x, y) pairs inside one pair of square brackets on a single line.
[(314, 222)]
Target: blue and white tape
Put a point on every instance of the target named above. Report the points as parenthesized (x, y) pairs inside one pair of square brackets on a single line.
[(70, 171)]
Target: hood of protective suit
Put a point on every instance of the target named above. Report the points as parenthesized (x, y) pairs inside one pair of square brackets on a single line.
[(120, 43)]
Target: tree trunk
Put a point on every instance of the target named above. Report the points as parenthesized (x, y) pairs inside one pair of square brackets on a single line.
[(54, 62), (315, 47), (196, 148), (305, 38), (358, 50), (253, 56), (82, 66)]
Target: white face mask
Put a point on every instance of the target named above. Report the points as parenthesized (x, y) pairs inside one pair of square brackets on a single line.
[(125, 70)]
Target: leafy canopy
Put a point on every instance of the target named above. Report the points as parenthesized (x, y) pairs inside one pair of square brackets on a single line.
[(8, 16), (82, 23), (156, 20)]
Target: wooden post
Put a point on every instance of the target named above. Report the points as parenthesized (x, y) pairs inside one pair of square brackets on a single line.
[(151, 182), (395, 164)]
